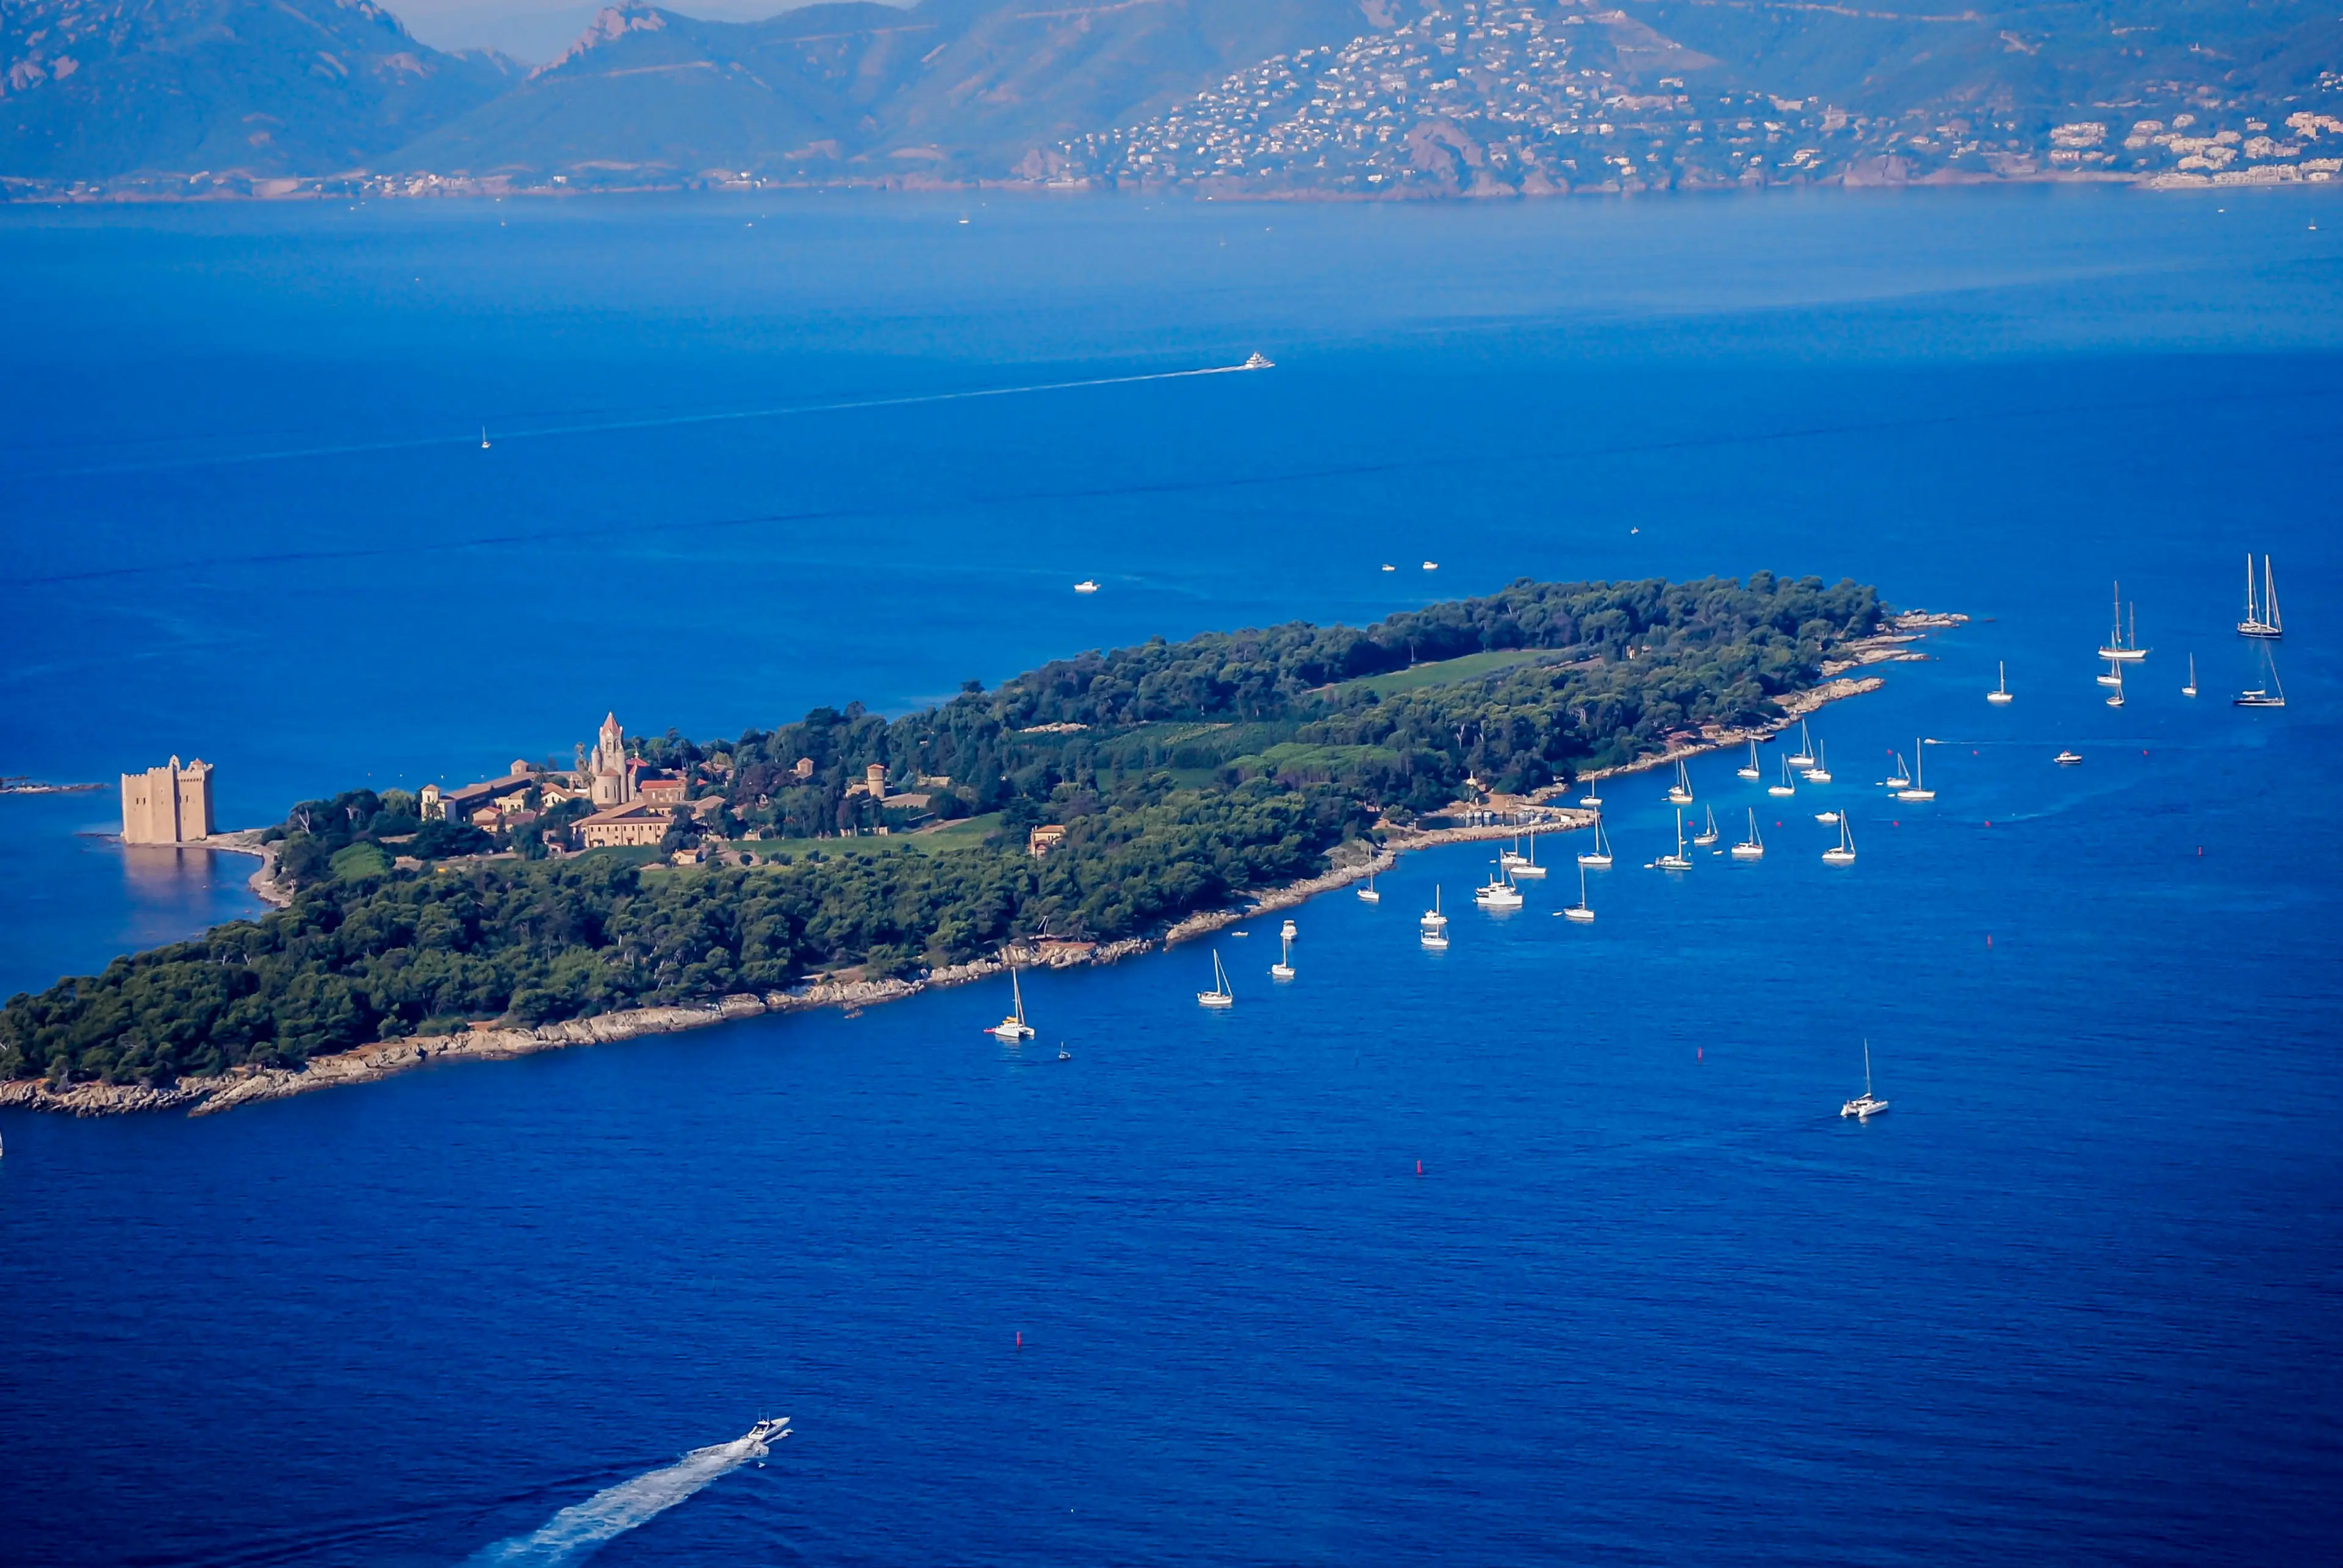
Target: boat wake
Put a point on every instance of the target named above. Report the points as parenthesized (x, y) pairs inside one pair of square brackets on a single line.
[(582, 1527)]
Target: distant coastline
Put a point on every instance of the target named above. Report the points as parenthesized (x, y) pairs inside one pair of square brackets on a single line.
[(846, 990)]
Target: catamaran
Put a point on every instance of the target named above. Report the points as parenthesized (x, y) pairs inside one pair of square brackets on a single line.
[(1284, 968), (1220, 995), (1750, 770), (2122, 646), (1600, 855), (1525, 867), (1804, 755), (1820, 772), (1919, 789), (1015, 1027), (2269, 693), (1753, 848), (1581, 910), (1707, 835), (1679, 861), (1785, 787), (1866, 1106), (2261, 616), (2000, 693), (2190, 689), (1842, 853), (1680, 792), (1367, 895), (1499, 893)]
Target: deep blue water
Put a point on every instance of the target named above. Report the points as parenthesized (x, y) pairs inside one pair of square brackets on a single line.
[(2074, 1298)]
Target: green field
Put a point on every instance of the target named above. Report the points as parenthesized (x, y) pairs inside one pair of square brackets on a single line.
[(969, 833), (1441, 673)]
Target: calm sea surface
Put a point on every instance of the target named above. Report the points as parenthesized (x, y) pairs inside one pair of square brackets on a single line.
[(2078, 1297)]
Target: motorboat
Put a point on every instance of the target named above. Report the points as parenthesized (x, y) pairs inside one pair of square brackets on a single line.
[(1820, 772), (1086, 586), (1843, 852), (1865, 1105), (2001, 693), (2261, 616), (768, 1432), (1258, 362), (1432, 566), (2068, 758), (1750, 770), (1679, 861), (1591, 800), (1827, 819), (1600, 855), (1786, 787), (1753, 848), (1015, 1027), (1220, 995), (1918, 789), (1290, 930)]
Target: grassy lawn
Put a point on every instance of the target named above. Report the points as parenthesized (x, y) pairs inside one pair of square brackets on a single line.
[(1441, 673), (967, 833)]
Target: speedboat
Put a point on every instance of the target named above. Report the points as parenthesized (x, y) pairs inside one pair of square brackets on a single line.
[(767, 1431), (1827, 819), (2068, 758), (1259, 362), (1086, 586)]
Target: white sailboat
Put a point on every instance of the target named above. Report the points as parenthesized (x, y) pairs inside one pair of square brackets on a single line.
[(1432, 919), (1803, 756), (1866, 1106), (484, 446), (2000, 693), (1434, 940), (1581, 910), (1820, 772), (2261, 616), (1707, 835), (1679, 861), (2115, 697), (1842, 853), (1014, 1029), (1901, 777), (2111, 676), (2269, 693), (1367, 895), (1785, 787), (1753, 848), (1680, 792), (1220, 995), (1600, 855), (2122, 647), (1284, 968), (1499, 893), (2190, 689), (1750, 770), (1525, 868), (1919, 789)]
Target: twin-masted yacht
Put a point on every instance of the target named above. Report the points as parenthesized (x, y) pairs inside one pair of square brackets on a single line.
[(1753, 848), (1014, 1029), (1600, 855), (1843, 852), (2123, 646), (1679, 861), (2261, 614), (1220, 995), (1866, 1105)]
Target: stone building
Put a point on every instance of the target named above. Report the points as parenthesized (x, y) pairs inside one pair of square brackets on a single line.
[(617, 827), (607, 774), (167, 805)]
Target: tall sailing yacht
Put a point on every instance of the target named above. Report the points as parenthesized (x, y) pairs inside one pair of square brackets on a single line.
[(2123, 647), (1803, 756), (1843, 853), (1581, 912), (1013, 1028), (1750, 770), (2261, 616), (2269, 693), (1919, 789), (1866, 1106), (1284, 968), (1220, 995), (1367, 895), (1753, 848), (1600, 855), (1432, 919), (2001, 693), (1679, 861)]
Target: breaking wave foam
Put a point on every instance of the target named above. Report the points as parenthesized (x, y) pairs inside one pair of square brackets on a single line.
[(580, 1528)]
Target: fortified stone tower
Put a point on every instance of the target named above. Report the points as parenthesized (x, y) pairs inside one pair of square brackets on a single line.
[(167, 805)]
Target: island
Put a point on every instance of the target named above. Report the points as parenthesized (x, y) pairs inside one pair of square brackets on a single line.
[(1077, 813)]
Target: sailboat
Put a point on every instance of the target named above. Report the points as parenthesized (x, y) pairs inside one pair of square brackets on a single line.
[(1707, 835), (1901, 777), (1678, 861), (2000, 693), (1750, 770), (1015, 1027), (1432, 919), (1785, 787), (2113, 676), (1500, 892), (1284, 968), (1680, 792), (1525, 868), (484, 446), (1919, 789), (1843, 853), (1581, 910), (1600, 855), (2269, 693), (1220, 995), (2123, 647), (1867, 1106), (2115, 697), (2261, 616), (1820, 772), (1803, 756), (1753, 848), (1367, 895), (2190, 689)]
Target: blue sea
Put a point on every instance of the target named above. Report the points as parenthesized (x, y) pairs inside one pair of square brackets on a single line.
[(1551, 1248)]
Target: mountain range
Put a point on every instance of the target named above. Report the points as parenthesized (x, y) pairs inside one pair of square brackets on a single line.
[(1369, 97)]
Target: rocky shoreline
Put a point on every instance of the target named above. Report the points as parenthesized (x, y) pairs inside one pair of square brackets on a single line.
[(366, 1064)]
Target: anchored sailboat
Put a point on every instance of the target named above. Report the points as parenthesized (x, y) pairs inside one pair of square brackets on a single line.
[(2190, 689), (1600, 858), (1525, 868), (1015, 1027), (1901, 777), (1220, 995), (1820, 772), (1707, 835), (2261, 616), (1785, 787), (1500, 892), (1367, 895), (1753, 848), (1679, 861), (1680, 792), (2000, 693), (1750, 770), (1432, 919), (1284, 968), (1866, 1106), (2269, 693), (1919, 789), (1804, 755), (1581, 910), (1843, 853), (2122, 647)]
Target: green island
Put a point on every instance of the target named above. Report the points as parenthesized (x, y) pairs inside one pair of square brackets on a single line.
[(1161, 780)]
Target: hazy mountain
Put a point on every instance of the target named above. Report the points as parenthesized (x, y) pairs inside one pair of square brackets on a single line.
[(90, 88)]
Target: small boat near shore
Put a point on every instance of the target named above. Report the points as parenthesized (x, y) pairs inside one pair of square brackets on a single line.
[(1750, 770), (1600, 855), (1013, 1028)]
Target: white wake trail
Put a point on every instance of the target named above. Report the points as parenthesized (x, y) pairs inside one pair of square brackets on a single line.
[(580, 1528)]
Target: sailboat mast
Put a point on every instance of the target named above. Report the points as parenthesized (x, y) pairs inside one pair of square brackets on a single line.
[(2269, 595), (1866, 1067)]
